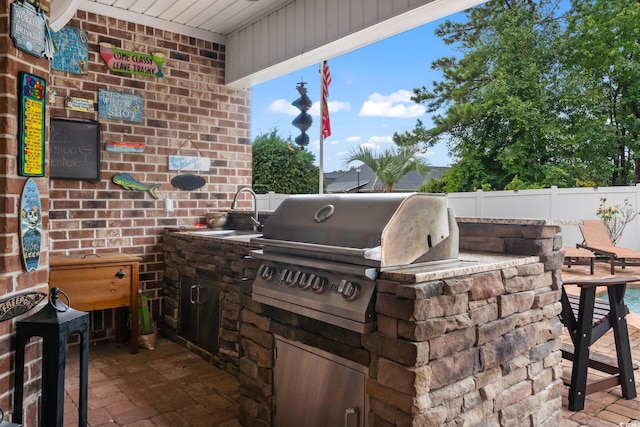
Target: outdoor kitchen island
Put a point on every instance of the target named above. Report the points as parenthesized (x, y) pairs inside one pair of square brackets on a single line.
[(470, 342)]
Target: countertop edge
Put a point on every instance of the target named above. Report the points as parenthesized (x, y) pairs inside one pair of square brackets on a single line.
[(467, 263)]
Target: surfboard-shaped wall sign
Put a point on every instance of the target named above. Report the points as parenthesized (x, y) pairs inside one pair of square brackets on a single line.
[(30, 225)]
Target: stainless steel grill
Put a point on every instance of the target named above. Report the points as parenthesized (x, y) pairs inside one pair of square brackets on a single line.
[(322, 254)]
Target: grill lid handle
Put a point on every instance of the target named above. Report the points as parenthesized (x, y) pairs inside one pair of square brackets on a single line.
[(324, 213)]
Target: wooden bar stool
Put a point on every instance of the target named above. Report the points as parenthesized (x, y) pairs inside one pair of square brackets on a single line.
[(588, 319)]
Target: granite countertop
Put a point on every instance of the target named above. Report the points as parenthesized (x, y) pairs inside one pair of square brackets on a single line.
[(467, 263), (519, 221), (241, 237)]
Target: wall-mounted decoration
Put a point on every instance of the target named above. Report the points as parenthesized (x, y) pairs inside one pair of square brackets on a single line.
[(128, 182), (72, 55), (16, 305), (74, 149), (125, 147), (188, 181), (125, 61), (79, 104), (31, 122), (30, 225), (189, 163), (27, 28), (119, 105)]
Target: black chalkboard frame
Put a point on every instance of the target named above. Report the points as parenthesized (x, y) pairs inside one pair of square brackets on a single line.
[(62, 130)]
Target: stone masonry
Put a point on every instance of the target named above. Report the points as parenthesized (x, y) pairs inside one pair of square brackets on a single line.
[(196, 257), (476, 349)]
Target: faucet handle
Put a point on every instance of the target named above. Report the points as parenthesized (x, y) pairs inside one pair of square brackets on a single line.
[(256, 223)]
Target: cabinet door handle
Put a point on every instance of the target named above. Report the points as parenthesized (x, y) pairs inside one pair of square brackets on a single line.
[(120, 274), (351, 411), (191, 299)]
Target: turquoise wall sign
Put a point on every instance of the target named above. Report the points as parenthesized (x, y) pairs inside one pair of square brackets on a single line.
[(119, 105), (72, 55), (27, 29)]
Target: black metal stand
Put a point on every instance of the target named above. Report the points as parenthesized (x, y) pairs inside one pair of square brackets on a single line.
[(54, 323)]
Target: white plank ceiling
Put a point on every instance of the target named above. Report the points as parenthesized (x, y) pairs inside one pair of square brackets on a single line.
[(269, 38)]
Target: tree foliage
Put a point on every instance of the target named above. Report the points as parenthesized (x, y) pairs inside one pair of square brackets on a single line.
[(536, 97), (390, 166), (603, 69), (282, 167)]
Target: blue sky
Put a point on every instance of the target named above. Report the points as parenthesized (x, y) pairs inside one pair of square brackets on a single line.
[(369, 97)]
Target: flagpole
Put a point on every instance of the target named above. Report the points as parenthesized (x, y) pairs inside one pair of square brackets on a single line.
[(321, 178)]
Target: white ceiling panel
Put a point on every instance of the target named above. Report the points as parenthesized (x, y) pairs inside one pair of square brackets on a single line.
[(267, 38)]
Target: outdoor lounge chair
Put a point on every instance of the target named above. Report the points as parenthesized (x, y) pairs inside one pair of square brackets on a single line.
[(597, 240), (588, 318), (576, 256)]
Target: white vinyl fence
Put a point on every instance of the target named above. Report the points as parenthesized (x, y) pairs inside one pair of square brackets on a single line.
[(563, 205)]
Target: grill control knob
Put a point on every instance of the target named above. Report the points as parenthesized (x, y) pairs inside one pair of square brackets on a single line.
[(265, 272), (301, 279), (349, 291), (283, 274), (318, 284), (289, 278), (305, 285)]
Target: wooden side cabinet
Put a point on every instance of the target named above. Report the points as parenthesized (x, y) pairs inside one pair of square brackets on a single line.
[(97, 282)]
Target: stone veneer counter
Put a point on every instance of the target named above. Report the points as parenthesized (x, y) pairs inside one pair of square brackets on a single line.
[(200, 256), (467, 263), (469, 342)]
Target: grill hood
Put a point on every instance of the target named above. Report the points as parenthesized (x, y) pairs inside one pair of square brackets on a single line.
[(388, 229)]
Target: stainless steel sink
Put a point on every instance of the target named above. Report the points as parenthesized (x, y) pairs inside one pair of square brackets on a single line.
[(226, 233)]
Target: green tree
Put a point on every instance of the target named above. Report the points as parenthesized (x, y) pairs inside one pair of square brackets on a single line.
[(602, 93), (282, 167), (390, 166), (497, 104)]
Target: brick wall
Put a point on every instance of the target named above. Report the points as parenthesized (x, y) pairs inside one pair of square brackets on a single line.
[(190, 102), (13, 277)]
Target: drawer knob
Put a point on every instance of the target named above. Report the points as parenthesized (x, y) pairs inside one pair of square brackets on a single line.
[(120, 274)]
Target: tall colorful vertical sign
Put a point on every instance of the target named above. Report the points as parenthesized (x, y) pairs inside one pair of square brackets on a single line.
[(32, 110)]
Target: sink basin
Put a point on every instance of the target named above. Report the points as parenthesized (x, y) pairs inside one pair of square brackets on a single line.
[(226, 233)]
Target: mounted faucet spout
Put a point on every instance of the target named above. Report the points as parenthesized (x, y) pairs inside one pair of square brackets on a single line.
[(254, 218)]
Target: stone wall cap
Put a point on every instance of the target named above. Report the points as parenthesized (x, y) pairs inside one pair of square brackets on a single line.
[(467, 263), (519, 221)]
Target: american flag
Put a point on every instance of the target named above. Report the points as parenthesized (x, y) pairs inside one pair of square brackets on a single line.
[(326, 81)]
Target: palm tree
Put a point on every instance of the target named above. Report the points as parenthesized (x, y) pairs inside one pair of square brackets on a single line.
[(390, 166)]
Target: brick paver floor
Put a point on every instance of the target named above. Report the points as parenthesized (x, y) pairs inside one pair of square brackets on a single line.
[(166, 387), (173, 387)]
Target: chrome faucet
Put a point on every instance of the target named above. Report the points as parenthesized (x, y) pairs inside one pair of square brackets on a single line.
[(254, 218)]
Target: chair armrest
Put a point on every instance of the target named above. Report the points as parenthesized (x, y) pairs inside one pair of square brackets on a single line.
[(610, 281)]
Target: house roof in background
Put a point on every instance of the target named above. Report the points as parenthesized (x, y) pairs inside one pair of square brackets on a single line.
[(347, 181)]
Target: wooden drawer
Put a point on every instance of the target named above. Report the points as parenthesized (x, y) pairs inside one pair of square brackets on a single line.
[(94, 288), (95, 282)]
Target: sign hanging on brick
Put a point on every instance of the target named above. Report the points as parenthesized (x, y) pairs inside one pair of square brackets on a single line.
[(27, 29), (119, 105), (128, 62)]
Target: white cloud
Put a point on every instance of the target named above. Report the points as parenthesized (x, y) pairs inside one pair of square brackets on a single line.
[(334, 107), (282, 106), (354, 138), (380, 139), (396, 105)]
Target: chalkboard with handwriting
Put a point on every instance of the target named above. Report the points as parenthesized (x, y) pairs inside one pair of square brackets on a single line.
[(74, 149)]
